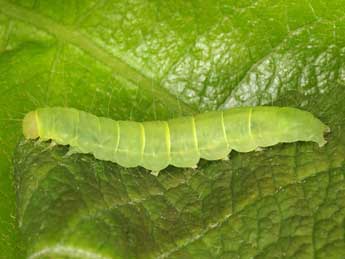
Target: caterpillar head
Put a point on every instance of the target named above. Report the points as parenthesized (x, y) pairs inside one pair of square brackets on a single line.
[(30, 127)]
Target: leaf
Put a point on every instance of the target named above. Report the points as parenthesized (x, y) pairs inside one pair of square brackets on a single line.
[(144, 60), (78, 205)]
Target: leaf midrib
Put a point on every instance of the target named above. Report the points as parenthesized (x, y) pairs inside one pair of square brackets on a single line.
[(120, 67)]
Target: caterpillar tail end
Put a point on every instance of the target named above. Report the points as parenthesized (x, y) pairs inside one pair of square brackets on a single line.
[(322, 141), (30, 129)]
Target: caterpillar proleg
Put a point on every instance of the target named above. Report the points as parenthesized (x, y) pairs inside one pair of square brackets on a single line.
[(180, 141)]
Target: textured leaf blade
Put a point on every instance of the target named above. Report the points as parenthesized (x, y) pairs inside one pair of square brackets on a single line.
[(223, 209)]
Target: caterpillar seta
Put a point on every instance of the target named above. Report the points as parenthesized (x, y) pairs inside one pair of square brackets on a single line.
[(180, 141)]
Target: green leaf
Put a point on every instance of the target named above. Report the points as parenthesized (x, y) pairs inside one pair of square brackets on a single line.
[(144, 60)]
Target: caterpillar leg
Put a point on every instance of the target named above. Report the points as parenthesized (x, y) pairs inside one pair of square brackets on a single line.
[(227, 157), (37, 141), (72, 150), (259, 149), (155, 173), (51, 145)]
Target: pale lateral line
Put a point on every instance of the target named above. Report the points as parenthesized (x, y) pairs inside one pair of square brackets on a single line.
[(67, 251), (224, 131), (195, 136), (142, 130), (85, 43), (167, 136), (118, 138), (250, 125)]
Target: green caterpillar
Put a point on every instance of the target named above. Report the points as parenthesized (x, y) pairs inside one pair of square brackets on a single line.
[(181, 141)]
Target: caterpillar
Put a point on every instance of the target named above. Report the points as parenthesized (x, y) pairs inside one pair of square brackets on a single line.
[(180, 141)]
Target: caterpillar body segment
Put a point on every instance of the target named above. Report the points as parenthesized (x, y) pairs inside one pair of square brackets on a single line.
[(181, 141)]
